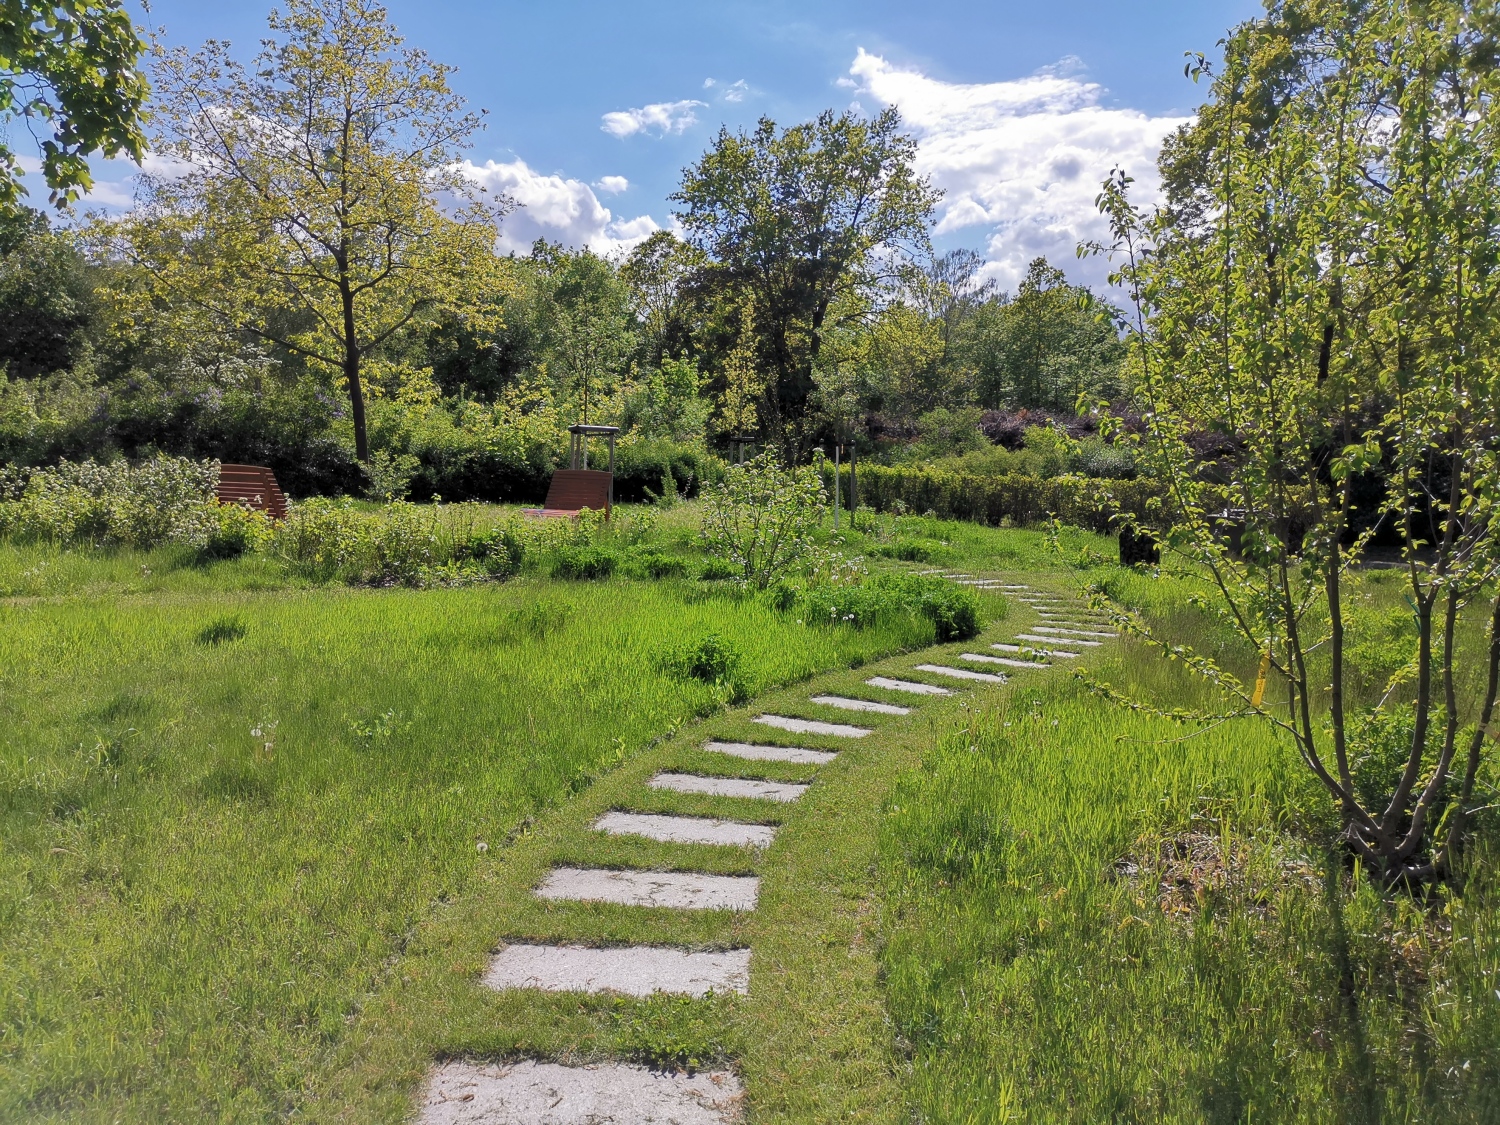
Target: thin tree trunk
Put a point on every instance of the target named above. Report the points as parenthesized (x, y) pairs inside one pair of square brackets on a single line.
[(854, 484), (351, 378)]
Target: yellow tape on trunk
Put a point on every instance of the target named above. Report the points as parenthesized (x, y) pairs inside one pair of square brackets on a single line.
[(1260, 680)]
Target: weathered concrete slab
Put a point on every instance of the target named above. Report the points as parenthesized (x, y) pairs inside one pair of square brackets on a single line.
[(1015, 587), (845, 704), (782, 791), (1056, 640), (540, 1093), (812, 726), (681, 890), (907, 686), (756, 752), (639, 970), (961, 674), (1038, 651), (981, 658), (1072, 632), (687, 829)]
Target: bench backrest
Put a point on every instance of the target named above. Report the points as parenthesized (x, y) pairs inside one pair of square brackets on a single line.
[(254, 486), (575, 489)]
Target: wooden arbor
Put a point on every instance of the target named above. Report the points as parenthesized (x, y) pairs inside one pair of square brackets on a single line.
[(578, 487)]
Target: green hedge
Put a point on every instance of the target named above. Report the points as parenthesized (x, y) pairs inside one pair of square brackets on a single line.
[(1023, 500)]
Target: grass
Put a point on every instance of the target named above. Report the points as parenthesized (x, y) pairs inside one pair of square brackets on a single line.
[(1090, 915), (223, 814)]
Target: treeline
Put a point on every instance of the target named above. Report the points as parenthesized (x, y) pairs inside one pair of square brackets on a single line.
[(246, 310)]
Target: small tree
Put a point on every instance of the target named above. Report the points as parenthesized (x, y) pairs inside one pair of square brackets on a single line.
[(316, 200), (760, 518), (1323, 286)]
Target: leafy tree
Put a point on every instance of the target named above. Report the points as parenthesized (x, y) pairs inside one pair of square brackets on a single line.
[(1053, 343), (590, 326), (1324, 284), (797, 220), (317, 203), (47, 306), (661, 274), (71, 65)]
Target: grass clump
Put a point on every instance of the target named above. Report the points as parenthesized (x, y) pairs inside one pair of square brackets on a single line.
[(222, 630), (953, 611), (713, 660)]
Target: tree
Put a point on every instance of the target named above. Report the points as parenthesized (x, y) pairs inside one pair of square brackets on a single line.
[(587, 324), (1324, 284), (46, 299), (71, 66), (799, 219), (660, 273), (317, 202)]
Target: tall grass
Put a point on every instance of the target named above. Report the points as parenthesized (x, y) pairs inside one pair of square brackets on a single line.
[(221, 815), (1091, 916)]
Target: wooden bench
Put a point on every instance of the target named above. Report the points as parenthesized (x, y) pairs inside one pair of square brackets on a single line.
[(253, 486), (573, 490)]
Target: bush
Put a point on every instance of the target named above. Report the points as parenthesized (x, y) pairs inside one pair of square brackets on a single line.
[(654, 564), (584, 563), (953, 610), (717, 570), (239, 531), (761, 516), (713, 660), (914, 550)]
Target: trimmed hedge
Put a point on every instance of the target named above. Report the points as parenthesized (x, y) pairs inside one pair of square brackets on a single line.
[(1080, 501)]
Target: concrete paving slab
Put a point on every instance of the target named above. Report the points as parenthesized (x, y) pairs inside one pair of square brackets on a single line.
[(907, 686), (845, 704), (1057, 640), (961, 674), (686, 829), (782, 791), (981, 658), (1072, 632), (681, 890), (640, 970), (1015, 587), (812, 726), (756, 752), (1038, 651), (542, 1093)]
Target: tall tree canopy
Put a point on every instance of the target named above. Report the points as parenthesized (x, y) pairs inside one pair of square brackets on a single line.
[(70, 66), (316, 202), (797, 220)]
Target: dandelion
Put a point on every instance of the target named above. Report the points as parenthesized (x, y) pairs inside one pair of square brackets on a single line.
[(481, 847)]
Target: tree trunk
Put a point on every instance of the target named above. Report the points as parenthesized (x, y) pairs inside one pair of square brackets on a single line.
[(351, 378)]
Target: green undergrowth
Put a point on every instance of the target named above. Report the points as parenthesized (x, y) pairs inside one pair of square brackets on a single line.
[(1091, 914), (222, 815)]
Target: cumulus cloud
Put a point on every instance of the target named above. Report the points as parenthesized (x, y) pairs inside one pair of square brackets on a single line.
[(660, 118), (1021, 158), (736, 91), (614, 185), (557, 209)]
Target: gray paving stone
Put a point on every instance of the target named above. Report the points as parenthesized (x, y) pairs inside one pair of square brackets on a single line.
[(907, 686), (845, 704), (1057, 640), (756, 752), (542, 1093), (1072, 632), (681, 890), (687, 829), (640, 970), (812, 726), (1038, 651), (1015, 587), (961, 674), (782, 791), (981, 658)]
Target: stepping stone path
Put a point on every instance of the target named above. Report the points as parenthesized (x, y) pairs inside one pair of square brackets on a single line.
[(544, 1093)]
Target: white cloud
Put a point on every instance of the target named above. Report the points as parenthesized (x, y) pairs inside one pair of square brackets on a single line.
[(557, 209), (614, 185), (1023, 158), (660, 118), (737, 91)]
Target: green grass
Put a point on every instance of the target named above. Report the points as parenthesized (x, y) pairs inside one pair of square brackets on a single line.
[(191, 917), (1089, 916)]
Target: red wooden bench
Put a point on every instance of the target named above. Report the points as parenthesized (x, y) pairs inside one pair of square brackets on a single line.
[(254, 486), (580, 487)]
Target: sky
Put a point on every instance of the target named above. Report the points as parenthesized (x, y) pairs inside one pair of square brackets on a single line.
[(1020, 108)]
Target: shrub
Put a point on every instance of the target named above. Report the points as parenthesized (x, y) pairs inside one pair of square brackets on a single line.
[(655, 564), (761, 516), (953, 610), (914, 550), (238, 531), (712, 659), (717, 570), (586, 563)]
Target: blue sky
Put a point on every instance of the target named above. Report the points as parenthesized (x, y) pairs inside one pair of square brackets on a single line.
[(594, 108)]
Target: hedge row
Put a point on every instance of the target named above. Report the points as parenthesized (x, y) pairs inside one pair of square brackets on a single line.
[(1021, 500)]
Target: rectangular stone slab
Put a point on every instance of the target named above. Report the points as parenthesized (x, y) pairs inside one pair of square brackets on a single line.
[(907, 686), (981, 658), (1071, 632), (844, 704), (756, 752), (1038, 651), (812, 726), (961, 674), (686, 829), (1056, 640), (640, 970), (782, 791), (680, 890), (542, 1093)]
